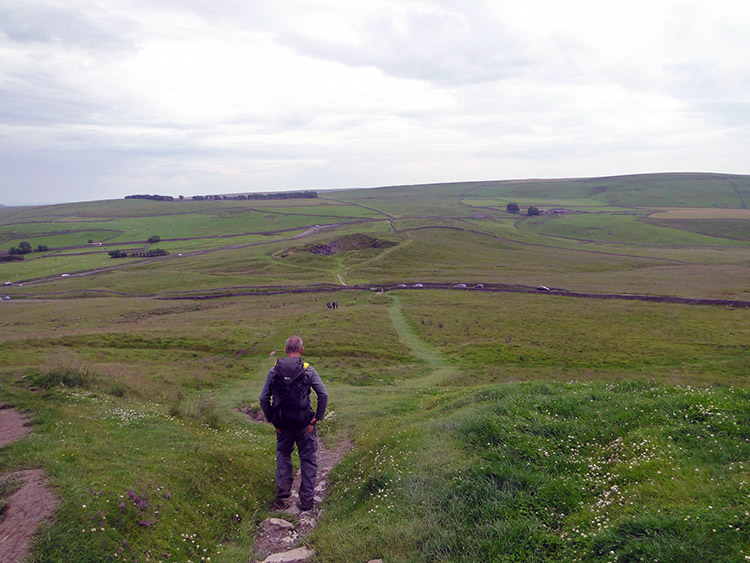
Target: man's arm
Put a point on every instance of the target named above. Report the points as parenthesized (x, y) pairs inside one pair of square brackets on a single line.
[(320, 390)]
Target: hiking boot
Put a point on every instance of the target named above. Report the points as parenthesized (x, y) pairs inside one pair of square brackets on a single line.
[(304, 506)]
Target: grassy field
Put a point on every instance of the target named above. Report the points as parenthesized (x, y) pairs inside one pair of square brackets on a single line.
[(487, 426)]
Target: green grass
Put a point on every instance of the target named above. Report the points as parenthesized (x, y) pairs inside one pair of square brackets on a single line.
[(550, 472), (722, 228), (624, 229), (486, 426), (651, 190)]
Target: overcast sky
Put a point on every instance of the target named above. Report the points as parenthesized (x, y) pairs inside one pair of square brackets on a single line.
[(104, 98)]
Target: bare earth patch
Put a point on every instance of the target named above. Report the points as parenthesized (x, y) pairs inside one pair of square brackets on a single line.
[(12, 426), (28, 506)]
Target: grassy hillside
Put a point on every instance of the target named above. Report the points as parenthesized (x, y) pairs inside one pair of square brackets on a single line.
[(514, 425)]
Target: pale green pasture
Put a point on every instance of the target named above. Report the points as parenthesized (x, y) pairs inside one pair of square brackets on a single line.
[(53, 240), (438, 254), (500, 203), (109, 208), (326, 210), (508, 229), (618, 228), (197, 244), (641, 191), (400, 201), (54, 265), (211, 222)]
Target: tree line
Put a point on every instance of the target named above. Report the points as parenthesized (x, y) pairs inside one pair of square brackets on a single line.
[(140, 253), (253, 196)]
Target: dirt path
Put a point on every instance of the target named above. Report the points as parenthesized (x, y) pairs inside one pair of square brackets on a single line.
[(12, 426), (29, 505), (278, 535)]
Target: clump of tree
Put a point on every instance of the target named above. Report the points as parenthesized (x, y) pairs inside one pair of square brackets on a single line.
[(154, 238), (512, 207), (11, 257), (531, 211), (25, 248), (154, 197), (148, 253)]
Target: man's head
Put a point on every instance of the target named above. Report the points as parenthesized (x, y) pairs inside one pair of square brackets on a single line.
[(294, 346)]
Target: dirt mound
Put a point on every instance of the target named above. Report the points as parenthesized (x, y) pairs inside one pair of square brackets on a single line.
[(254, 413), (349, 242)]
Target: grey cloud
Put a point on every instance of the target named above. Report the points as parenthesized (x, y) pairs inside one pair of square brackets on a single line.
[(35, 105), (435, 45), (41, 23)]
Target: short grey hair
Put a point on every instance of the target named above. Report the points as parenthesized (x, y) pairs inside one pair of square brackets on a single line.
[(294, 344)]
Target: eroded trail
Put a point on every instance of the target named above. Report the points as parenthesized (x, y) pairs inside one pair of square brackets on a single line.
[(30, 504), (277, 535)]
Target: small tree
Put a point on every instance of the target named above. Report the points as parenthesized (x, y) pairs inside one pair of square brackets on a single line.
[(24, 247), (117, 254), (157, 252), (154, 238), (512, 207), (42, 248), (531, 211)]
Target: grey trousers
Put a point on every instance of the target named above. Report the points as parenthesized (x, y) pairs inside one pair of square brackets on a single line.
[(307, 447)]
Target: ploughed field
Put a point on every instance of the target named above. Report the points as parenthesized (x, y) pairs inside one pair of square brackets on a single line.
[(500, 406)]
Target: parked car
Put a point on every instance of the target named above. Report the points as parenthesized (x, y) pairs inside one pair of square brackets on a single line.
[(417, 285), (479, 286), (401, 286), (64, 275), (542, 288), (459, 286)]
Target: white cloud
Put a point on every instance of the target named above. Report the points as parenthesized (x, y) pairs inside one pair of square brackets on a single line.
[(196, 96)]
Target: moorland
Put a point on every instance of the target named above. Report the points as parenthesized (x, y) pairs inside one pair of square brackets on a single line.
[(568, 385)]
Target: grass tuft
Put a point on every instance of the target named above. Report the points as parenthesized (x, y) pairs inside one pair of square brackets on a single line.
[(65, 376)]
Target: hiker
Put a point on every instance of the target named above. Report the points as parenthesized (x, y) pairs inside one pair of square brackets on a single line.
[(285, 400)]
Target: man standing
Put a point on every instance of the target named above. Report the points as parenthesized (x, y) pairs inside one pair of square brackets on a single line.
[(285, 400)]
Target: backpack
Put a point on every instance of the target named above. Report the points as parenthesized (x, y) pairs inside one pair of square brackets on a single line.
[(291, 398)]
